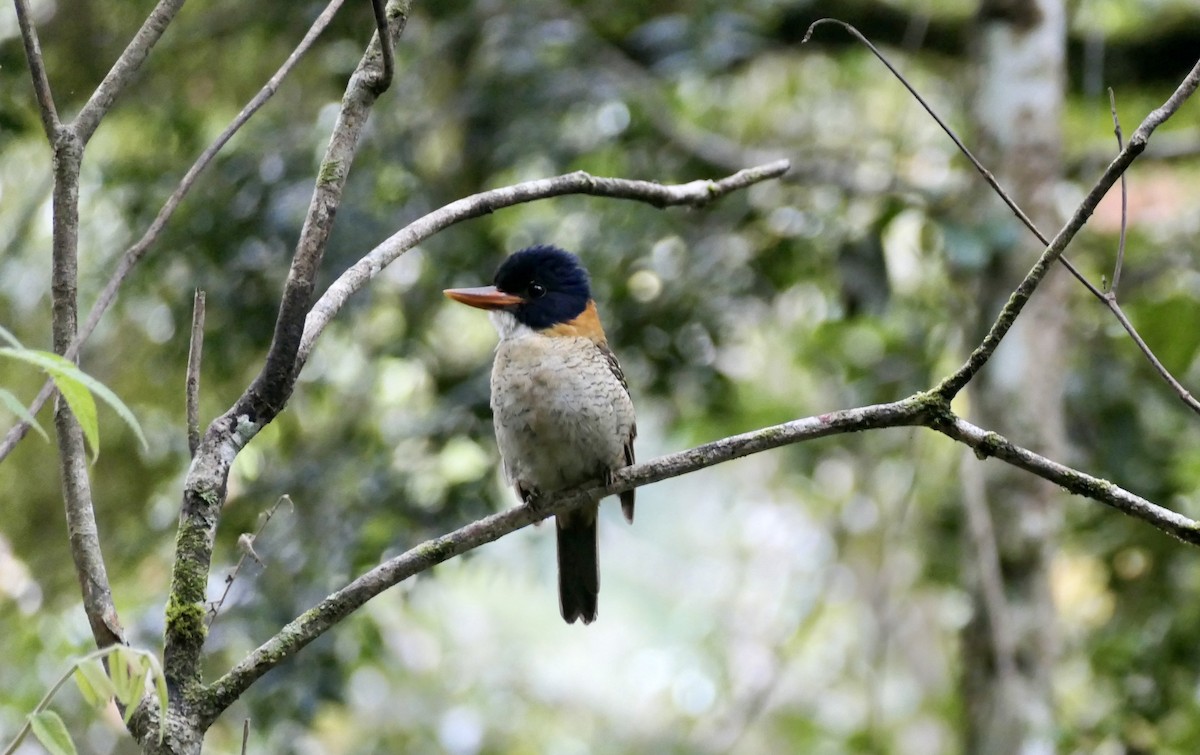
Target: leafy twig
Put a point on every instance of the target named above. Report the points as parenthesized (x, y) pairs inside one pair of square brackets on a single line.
[(135, 253)]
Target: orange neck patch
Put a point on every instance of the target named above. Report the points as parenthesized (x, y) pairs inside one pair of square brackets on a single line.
[(585, 325)]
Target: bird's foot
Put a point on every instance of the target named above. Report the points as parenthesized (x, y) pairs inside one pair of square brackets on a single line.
[(532, 497)]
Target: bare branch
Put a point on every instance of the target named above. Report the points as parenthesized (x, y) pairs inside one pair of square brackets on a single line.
[(385, 43), (192, 390), (37, 70), (922, 409), (77, 494), (1184, 395), (205, 486), (987, 174), (988, 444), (339, 605), (125, 69), (694, 194), (1055, 249), (1116, 279), (1110, 298), (1137, 143), (135, 253)]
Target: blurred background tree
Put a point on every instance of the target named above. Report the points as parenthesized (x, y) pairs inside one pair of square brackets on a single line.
[(810, 599)]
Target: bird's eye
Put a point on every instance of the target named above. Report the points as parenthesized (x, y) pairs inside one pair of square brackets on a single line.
[(536, 290)]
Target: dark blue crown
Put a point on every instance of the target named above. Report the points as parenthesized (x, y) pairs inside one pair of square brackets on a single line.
[(552, 282)]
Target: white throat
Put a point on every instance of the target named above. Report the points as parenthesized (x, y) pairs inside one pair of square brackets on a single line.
[(508, 326)]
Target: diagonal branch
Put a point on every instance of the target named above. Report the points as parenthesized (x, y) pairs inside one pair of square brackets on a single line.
[(125, 69), (984, 172), (337, 606), (1056, 247), (205, 486), (1137, 144), (135, 253), (358, 275), (988, 444), (37, 70), (922, 409)]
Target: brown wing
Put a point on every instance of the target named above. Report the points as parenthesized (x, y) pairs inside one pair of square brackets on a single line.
[(611, 358)]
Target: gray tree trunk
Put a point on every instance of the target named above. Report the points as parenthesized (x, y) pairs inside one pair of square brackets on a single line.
[(1010, 646)]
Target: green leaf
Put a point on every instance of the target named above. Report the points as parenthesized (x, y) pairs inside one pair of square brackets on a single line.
[(10, 338), (73, 383), (83, 406), (16, 407), (51, 732), (128, 675), (93, 682)]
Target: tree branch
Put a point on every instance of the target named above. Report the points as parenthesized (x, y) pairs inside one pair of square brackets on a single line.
[(205, 485), (1137, 143), (192, 381), (694, 194), (922, 409), (984, 172), (337, 606), (1056, 248), (135, 253), (125, 69), (988, 444), (77, 494), (385, 43), (37, 70)]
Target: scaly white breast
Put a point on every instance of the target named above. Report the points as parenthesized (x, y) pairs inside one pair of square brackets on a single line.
[(561, 416)]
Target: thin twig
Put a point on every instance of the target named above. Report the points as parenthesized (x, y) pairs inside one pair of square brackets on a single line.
[(694, 194), (247, 552), (385, 43), (192, 390), (1055, 248), (245, 735), (984, 172), (1116, 279), (37, 70), (135, 253), (1004, 321), (1183, 393), (1110, 298)]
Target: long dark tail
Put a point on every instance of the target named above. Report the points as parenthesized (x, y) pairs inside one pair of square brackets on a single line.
[(578, 565)]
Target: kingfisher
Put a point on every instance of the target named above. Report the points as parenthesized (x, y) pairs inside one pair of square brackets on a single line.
[(560, 406)]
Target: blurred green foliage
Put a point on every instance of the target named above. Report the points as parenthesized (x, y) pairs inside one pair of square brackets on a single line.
[(806, 600)]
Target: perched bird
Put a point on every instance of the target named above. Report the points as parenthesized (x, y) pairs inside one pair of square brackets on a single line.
[(560, 405)]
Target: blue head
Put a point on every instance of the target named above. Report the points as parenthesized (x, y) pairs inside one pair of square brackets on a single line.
[(551, 283)]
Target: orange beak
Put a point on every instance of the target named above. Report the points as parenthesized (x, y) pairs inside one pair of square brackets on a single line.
[(484, 297)]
